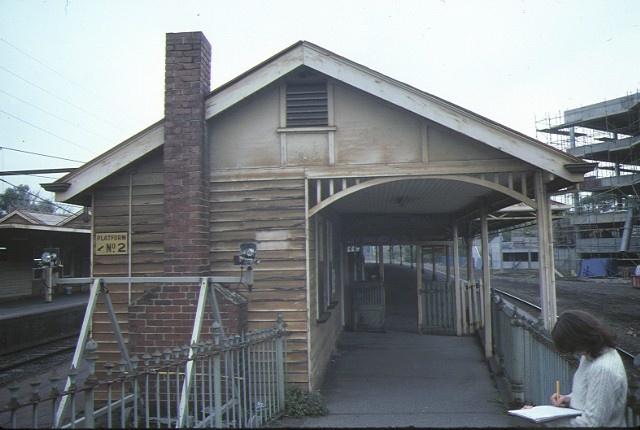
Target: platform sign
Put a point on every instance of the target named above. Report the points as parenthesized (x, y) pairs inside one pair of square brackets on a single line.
[(112, 243)]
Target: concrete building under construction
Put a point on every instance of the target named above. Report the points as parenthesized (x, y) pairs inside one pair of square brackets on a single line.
[(601, 234)]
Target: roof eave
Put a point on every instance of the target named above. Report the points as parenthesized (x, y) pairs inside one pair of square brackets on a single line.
[(40, 227), (581, 168), (118, 157)]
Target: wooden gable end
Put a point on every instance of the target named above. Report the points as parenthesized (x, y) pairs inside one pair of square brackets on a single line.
[(363, 129), (370, 130), (245, 136), (445, 145)]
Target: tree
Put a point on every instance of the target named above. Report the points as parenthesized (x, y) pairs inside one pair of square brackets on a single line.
[(21, 197)]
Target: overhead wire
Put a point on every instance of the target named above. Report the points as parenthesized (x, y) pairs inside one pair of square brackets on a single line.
[(36, 196), (42, 155), (57, 136), (57, 117), (118, 108), (62, 99), (47, 131)]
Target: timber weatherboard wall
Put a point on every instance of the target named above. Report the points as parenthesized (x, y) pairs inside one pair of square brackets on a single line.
[(271, 212), (130, 201), (323, 329)]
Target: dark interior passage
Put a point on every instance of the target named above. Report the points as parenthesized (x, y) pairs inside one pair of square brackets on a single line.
[(401, 313)]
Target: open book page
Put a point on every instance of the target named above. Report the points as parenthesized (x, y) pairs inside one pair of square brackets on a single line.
[(540, 414)]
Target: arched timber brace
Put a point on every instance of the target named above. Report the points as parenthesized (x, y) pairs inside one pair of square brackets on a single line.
[(322, 192)]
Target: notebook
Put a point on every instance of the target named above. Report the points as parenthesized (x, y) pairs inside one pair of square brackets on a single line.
[(543, 413)]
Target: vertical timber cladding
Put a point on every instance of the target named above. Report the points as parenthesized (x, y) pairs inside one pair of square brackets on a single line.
[(132, 202), (272, 213)]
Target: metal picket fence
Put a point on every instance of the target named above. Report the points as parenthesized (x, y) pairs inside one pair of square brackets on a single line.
[(236, 382)]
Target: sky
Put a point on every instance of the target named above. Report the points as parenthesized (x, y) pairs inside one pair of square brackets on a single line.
[(77, 77)]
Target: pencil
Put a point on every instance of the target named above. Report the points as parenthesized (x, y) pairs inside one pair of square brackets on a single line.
[(558, 390)]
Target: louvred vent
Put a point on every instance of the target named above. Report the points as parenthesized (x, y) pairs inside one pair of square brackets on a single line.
[(307, 104)]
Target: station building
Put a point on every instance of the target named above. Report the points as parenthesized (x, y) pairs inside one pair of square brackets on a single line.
[(309, 156)]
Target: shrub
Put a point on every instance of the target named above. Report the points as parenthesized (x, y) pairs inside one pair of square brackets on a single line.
[(300, 404)]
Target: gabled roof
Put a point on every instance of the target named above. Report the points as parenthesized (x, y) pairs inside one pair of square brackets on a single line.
[(400, 94), (35, 217), (301, 54), (92, 172), (28, 220)]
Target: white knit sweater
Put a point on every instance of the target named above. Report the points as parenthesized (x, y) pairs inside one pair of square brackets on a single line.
[(600, 391)]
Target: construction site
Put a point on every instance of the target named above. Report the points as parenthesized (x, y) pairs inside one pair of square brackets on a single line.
[(599, 234)]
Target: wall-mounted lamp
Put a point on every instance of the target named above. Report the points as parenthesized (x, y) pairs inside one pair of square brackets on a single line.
[(248, 254)]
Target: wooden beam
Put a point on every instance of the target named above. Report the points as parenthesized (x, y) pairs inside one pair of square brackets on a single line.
[(460, 319), (545, 254), (486, 285)]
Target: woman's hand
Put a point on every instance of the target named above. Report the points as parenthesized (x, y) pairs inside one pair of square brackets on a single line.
[(560, 400)]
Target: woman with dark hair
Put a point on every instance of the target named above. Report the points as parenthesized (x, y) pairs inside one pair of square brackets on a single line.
[(600, 384)]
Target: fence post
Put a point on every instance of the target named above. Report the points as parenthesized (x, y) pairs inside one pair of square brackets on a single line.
[(518, 358), (134, 377), (217, 378), (35, 400), (497, 316), (527, 364), (13, 404), (90, 348), (55, 393), (280, 359)]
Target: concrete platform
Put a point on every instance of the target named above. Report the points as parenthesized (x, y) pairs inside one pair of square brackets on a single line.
[(29, 321), (398, 379), (36, 305)]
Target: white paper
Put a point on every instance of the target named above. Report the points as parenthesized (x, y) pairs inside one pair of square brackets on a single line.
[(540, 414)]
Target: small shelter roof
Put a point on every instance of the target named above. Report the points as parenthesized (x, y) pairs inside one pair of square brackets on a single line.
[(29, 220)]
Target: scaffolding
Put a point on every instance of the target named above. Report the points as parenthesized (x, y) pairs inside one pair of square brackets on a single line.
[(604, 220)]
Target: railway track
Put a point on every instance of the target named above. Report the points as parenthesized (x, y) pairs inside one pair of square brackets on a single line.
[(35, 359), (525, 305), (535, 311)]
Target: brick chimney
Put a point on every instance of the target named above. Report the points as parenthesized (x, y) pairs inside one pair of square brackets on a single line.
[(164, 316), (186, 160)]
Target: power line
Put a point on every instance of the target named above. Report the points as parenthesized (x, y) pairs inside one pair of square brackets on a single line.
[(41, 155), (40, 198), (34, 172), (57, 117), (70, 80), (46, 131), (61, 99)]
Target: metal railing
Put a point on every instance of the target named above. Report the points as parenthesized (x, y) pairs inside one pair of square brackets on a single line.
[(531, 363), (237, 381), (441, 310)]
